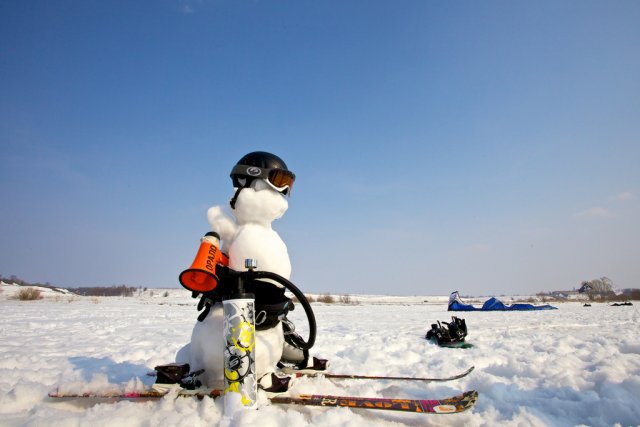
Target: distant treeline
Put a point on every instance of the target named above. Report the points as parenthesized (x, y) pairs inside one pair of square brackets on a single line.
[(104, 291), (97, 291)]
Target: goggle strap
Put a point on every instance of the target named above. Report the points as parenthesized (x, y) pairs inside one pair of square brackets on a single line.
[(233, 200)]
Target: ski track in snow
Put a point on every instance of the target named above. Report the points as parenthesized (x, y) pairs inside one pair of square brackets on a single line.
[(572, 366)]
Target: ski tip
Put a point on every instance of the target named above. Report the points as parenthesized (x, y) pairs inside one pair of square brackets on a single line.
[(457, 404), (472, 396), (468, 399), (460, 375)]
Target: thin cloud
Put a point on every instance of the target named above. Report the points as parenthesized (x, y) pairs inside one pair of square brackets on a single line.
[(625, 196), (595, 212), (478, 248), (537, 232), (188, 6)]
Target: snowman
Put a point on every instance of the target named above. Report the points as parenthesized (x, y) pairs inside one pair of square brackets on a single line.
[(262, 184)]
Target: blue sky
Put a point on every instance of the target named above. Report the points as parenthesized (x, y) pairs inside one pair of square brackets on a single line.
[(486, 147)]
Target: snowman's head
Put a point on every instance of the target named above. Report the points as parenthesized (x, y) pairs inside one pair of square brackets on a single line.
[(259, 203), (261, 181)]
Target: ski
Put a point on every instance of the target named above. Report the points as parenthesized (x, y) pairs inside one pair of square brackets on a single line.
[(317, 373), (133, 395), (373, 377), (448, 405)]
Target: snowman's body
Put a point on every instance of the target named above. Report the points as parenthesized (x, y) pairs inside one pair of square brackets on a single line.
[(258, 242), (247, 236)]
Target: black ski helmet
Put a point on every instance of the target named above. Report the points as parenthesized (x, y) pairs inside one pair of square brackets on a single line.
[(261, 165)]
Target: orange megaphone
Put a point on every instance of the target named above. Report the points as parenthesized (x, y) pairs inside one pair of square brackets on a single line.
[(201, 276)]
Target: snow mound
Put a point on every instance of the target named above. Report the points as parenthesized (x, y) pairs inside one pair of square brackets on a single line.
[(11, 290)]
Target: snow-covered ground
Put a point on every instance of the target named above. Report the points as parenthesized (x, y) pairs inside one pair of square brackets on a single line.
[(572, 366)]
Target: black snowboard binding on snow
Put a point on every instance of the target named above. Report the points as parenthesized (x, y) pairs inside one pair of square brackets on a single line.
[(448, 334), (175, 374)]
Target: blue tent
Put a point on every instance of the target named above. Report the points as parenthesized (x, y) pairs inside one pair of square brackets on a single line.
[(492, 304)]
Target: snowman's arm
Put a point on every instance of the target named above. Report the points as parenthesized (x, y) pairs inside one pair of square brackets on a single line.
[(222, 223)]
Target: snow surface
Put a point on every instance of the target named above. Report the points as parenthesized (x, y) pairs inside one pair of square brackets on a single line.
[(573, 366)]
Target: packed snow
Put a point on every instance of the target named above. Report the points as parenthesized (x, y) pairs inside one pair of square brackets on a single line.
[(572, 366)]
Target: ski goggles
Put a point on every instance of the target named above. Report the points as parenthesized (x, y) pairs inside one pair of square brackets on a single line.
[(281, 180)]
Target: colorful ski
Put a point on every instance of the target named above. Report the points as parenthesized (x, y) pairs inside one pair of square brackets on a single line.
[(448, 405), (374, 377)]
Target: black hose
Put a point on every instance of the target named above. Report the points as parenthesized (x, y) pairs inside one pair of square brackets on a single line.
[(303, 300)]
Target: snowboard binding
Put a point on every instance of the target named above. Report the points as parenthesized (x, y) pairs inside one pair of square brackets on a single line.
[(446, 334), (176, 375)]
